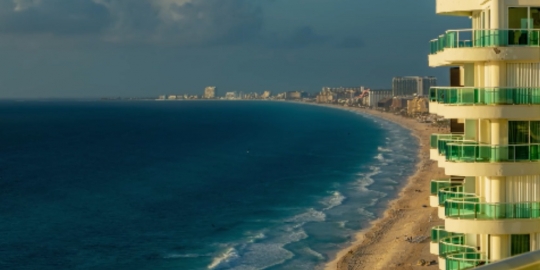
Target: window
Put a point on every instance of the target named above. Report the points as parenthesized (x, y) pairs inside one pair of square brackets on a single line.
[(518, 132), (535, 131), (520, 243), (517, 18), (534, 17), (520, 21)]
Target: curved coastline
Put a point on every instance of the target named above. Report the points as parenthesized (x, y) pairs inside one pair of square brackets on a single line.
[(382, 245)]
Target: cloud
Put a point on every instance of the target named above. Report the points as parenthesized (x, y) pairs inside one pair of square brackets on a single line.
[(52, 16), (178, 22), (351, 43)]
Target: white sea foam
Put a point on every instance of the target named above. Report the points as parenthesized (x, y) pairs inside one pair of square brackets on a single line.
[(310, 216), (366, 213), (367, 178), (382, 149), (224, 259), (380, 157), (262, 256), (336, 199), (313, 253)]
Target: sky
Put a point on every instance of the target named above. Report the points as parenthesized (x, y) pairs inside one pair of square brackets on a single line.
[(145, 48)]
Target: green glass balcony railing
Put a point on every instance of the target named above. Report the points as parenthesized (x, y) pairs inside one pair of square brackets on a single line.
[(453, 245), (466, 260), (438, 233), (467, 38), (437, 184), (466, 208), (443, 144), (475, 152), (455, 192), (435, 138), (485, 95)]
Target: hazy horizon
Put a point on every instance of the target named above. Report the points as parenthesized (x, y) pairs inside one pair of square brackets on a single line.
[(107, 48)]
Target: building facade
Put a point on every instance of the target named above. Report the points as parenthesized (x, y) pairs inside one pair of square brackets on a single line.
[(412, 85), (490, 201), (375, 95), (210, 92)]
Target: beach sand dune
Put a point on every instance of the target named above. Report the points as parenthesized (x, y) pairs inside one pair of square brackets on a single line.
[(384, 244)]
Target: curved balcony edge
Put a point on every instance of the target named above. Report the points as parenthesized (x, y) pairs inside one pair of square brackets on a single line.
[(433, 201), (518, 112), (508, 226), (456, 56), (491, 169), (457, 7)]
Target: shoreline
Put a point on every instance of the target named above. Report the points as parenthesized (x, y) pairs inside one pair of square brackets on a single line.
[(382, 244)]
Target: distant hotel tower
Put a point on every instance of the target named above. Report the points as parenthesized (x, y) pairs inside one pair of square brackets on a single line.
[(210, 92), (490, 201), (412, 85)]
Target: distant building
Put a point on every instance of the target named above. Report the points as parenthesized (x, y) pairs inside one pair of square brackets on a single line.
[(295, 95), (266, 94), (418, 106), (374, 96), (412, 85), (231, 95), (210, 92), (171, 97), (333, 94)]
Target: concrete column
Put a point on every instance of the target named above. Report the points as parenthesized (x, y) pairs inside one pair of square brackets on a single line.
[(495, 22), (499, 247), (497, 74), (479, 74), (498, 131), (468, 74), (497, 186)]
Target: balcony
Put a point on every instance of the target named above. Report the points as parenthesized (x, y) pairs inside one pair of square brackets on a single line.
[(457, 7), (473, 152), (438, 233), (465, 208), (455, 192), (469, 45), (453, 245), (468, 38), (438, 143), (465, 260), (467, 96), (438, 184)]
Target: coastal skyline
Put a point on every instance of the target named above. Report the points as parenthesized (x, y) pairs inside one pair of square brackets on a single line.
[(94, 48)]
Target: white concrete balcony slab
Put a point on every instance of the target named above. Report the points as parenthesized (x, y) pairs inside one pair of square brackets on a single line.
[(457, 7), (502, 226), (473, 45)]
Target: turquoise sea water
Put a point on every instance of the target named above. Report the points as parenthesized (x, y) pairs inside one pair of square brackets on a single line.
[(190, 185)]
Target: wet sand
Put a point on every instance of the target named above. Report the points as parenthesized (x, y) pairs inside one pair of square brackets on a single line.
[(383, 245)]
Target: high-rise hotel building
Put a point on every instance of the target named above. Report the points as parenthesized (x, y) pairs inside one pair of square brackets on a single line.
[(490, 201), (412, 85), (210, 92)]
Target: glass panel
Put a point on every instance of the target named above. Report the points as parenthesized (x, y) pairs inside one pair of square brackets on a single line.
[(535, 132), (535, 17), (520, 243), (518, 132), (517, 19)]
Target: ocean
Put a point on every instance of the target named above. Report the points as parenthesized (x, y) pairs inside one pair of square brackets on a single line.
[(191, 184)]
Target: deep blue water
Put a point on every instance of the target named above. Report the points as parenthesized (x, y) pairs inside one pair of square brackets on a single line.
[(190, 185)]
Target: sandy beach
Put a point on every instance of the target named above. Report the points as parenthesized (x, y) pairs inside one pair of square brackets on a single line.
[(383, 245)]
